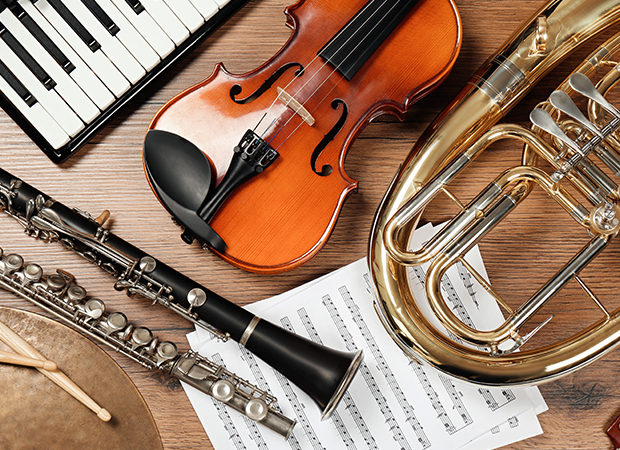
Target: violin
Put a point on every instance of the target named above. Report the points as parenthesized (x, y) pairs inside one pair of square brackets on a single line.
[(253, 165)]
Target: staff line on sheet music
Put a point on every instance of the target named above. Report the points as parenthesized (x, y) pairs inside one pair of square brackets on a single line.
[(354, 412), (380, 399), (461, 312), (492, 402), (467, 280), (384, 368), (433, 397), (457, 400)]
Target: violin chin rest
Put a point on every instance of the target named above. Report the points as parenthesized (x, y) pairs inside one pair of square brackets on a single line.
[(182, 177)]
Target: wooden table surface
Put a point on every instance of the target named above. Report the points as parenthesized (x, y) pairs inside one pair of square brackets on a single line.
[(108, 174)]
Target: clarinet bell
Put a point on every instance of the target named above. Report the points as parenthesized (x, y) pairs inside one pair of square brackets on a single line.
[(323, 373)]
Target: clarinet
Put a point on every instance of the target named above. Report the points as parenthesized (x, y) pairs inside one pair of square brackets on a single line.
[(321, 372), (59, 295)]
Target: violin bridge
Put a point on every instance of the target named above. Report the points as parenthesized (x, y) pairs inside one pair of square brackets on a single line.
[(297, 107)]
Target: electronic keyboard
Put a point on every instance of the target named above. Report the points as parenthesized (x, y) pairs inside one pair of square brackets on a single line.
[(66, 66)]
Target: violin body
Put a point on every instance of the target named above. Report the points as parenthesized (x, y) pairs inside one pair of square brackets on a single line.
[(281, 218)]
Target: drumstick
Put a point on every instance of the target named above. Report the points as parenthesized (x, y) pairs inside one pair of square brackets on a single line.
[(13, 340), (15, 358)]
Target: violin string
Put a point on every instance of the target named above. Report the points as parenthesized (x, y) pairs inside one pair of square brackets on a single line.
[(349, 24), (328, 77)]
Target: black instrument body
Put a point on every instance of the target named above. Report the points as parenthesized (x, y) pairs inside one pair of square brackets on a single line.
[(321, 372)]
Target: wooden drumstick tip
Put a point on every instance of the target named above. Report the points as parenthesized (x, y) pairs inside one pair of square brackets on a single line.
[(19, 359), (104, 415), (50, 365)]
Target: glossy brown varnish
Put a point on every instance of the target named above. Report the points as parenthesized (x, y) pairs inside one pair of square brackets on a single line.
[(281, 218)]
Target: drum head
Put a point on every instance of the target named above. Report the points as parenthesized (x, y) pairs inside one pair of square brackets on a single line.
[(35, 413)]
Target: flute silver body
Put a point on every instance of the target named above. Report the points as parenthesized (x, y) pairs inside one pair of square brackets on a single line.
[(321, 372), (59, 295)]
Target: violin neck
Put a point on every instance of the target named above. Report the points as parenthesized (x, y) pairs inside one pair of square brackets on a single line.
[(363, 34)]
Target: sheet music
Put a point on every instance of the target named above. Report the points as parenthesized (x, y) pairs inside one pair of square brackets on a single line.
[(393, 402)]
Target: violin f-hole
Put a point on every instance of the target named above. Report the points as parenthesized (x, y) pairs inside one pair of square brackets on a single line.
[(236, 89), (327, 169)]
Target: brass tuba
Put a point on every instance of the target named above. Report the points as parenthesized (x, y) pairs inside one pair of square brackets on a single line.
[(458, 135)]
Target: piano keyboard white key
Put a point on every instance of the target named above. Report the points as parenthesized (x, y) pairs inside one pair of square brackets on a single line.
[(167, 20), (34, 29), (36, 115), (110, 46), (82, 74), (51, 31), (148, 28), (186, 13), (221, 3), (97, 61), (207, 8), (130, 38), (50, 100), (65, 86)]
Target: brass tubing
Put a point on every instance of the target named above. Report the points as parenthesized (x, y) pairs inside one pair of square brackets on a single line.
[(500, 83), (457, 249), (467, 217)]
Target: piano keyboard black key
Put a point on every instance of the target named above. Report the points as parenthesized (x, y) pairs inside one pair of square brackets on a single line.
[(100, 65), (101, 15), (135, 5), (40, 122), (65, 85), (96, 75), (75, 24), (40, 36), (113, 49), (129, 36), (26, 58), (16, 85), (49, 99), (83, 75)]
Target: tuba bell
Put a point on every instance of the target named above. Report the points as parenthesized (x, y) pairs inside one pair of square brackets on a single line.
[(563, 138)]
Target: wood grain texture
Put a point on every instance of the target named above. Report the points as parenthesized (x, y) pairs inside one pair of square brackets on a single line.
[(108, 174)]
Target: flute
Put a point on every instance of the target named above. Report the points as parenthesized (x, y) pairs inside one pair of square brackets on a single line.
[(60, 296), (321, 372)]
